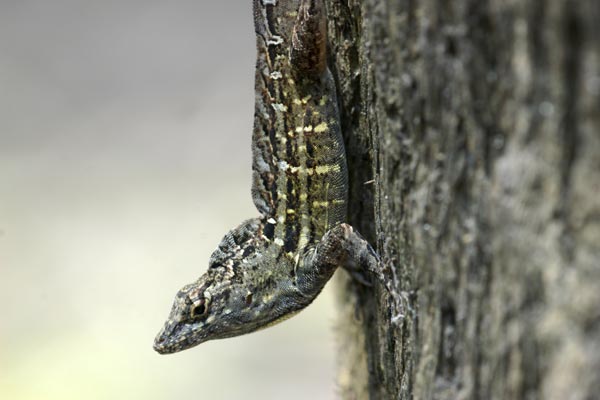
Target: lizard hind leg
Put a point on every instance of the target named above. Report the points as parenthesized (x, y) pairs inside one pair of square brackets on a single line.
[(344, 247)]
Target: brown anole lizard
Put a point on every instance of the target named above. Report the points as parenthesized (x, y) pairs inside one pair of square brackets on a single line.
[(272, 266)]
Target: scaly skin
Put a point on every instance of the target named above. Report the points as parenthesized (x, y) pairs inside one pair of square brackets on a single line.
[(271, 267)]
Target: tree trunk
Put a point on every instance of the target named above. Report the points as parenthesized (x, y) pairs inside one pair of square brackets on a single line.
[(473, 135)]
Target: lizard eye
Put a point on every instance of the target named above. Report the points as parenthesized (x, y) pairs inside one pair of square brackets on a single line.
[(200, 309)]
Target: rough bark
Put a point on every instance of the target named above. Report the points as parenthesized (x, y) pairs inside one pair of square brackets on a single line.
[(473, 133)]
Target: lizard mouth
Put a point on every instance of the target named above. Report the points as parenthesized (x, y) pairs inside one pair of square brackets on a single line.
[(160, 347), (163, 345), (172, 339)]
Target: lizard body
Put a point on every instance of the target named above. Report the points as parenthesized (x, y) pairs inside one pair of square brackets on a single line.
[(270, 267)]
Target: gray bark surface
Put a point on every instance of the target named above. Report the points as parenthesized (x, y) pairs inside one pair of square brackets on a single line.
[(473, 135)]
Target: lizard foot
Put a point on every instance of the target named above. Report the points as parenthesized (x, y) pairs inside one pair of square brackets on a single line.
[(344, 246)]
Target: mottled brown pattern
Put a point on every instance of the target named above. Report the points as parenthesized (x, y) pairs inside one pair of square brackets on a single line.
[(270, 267)]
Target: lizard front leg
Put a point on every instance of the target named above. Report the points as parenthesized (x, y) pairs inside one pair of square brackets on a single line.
[(342, 246)]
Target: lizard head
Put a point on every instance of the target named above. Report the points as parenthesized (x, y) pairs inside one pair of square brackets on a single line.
[(216, 308), (197, 312)]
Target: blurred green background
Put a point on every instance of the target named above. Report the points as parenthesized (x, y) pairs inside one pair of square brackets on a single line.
[(124, 158)]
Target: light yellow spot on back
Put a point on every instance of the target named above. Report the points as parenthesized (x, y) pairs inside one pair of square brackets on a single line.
[(322, 127), (322, 169), (303, 239)]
